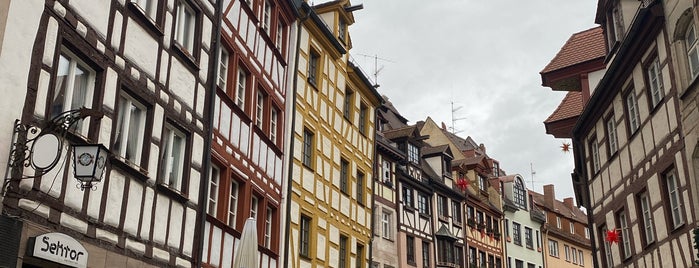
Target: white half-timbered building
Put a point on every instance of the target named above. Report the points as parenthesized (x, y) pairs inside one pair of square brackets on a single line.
[(249, 129), (146, 66)]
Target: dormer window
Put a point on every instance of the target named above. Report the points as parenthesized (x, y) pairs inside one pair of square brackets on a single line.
[(519, 194), (413, 153), (614, 25), (482, 183), (342, 30), (447, 167)]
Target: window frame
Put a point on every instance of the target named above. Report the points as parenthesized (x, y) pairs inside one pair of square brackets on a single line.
[(625, 243), (343, 255), (120, 147), (305, 226), (232, 206), (519, 194), (516, 233), (347, 105), (241, 89), (690, 49), (612, 138), (213, 193), (423, 203), (308, 140), (74, 62), (260, 106), (222, 72), (646, 216), (410, 249), (360, 187), (553, 248), (529, 237), (676, 214), (314, 66), (170, 129), (344, 176), (633, 116), (386, 231), (188, 47), (363, 118), (269, 221), (653, 76)]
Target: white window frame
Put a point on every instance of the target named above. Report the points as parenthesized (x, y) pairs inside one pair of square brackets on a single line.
[(125, 136), (587, 233), (675, 199), (692, 47), (254, 204), (232, 204), (241, 88), (611, 135), (386, 225), (608, 254), (553, 248), (581, 258), (279, 40), (273, 124), (594, 154), (149, 7), (68, 65), (267, 17), (214, 182), (413, 153), (632, 110), (574, 255), (185, 26), (260, 109), (386, 170), (268, 228), (222, 67), (172, 169), (655, 79), (625, 241), (571, 225), (644, 199), (566, 249)]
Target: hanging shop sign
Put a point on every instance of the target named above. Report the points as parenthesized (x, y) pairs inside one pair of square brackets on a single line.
[(58, 248)]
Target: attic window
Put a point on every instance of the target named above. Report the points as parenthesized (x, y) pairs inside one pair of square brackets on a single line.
[(342, 30)]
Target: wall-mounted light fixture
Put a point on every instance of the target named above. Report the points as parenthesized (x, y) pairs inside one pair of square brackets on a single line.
[(40, 148)]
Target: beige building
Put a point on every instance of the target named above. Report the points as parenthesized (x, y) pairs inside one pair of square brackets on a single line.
[(565, 236)]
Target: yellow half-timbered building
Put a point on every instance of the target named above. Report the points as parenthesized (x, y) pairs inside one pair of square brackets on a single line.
[(332, 144)]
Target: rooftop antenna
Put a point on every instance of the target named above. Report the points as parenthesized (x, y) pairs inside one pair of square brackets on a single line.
[(531, 168), (377, 69), (454, 119)]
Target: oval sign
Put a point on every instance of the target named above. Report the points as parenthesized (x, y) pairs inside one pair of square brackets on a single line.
[(45, 151), (60, 248)]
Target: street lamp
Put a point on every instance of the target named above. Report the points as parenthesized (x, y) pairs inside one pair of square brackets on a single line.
[(40, 148)]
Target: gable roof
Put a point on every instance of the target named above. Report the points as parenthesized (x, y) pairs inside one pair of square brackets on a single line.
[(570, 106), (580, 47)]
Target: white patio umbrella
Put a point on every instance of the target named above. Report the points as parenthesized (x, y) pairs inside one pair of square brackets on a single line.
[(246, 252)]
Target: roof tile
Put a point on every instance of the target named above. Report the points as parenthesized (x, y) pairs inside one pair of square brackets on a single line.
[(580, 47)]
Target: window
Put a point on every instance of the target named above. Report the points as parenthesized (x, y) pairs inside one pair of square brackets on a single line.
[(571, 227), (172, 158), (471, 212), (553, 248), (273, 124), (360, 187), (280, 37), (692, 47), (482, 183), (632, 112), (574, 254), (538, 241), (519, 194), (232, 204), (307, 148), (407, 196), (347, 106), (673, 193), (423, 205), (567, 251), (360, 256), (606, 260), (149, 7), (507, 227), (75, 84), (260, 109), (581, 259), (386, 225), (425, 254), (343, 258), (410, 251), (517, 233), (215, 175), (305, 236), (344, 176), (445, 251), (655, 79), (267, 17), (313, 66), (253, 207), (528, 237), (268, 227), (413, 153), (184, 28), (558, 222), (611, 135), (222, 67), (614, 25), (625, 238), (362, 119), (647, 217), (587, 233), (472, 256), (130, 130), (456, 212), (242, 87), (481, 258), (342, 30), (386, 170), (442, 206), (594, 154), (519, 263)]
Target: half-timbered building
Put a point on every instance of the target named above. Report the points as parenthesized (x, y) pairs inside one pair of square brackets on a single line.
[(143, 68), (246, 174), (329, 190)]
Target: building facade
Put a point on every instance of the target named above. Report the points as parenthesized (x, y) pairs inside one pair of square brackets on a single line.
[(143, 68), (330, 200), (523, 224), (565, 236), (249, 133)]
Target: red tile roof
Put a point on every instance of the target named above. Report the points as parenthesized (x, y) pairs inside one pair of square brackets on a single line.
[(570, 106), (580, 47)]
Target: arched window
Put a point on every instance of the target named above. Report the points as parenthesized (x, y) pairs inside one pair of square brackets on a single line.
[(519, 193)]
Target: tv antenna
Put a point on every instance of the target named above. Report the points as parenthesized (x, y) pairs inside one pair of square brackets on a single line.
[(377, 68), (454, 119)]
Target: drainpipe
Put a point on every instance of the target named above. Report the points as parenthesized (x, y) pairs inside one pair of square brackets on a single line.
[(302, 17), (213, 65)]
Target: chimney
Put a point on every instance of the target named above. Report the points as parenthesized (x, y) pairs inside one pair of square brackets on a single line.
[(444, 126), (569, 202), (549, 195), (482, 147)]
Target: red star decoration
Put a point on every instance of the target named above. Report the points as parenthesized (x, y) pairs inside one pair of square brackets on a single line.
[(565, 147), (462, 184), (613, 236)]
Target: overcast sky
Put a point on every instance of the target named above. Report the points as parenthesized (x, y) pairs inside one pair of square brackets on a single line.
[(485, 56)]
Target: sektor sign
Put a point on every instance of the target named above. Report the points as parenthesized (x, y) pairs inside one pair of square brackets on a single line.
[(60, 248)]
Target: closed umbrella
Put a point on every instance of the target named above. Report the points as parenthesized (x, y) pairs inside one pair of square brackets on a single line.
[(246, 252)]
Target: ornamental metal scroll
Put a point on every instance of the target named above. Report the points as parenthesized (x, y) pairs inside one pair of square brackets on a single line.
[(29, 142)]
